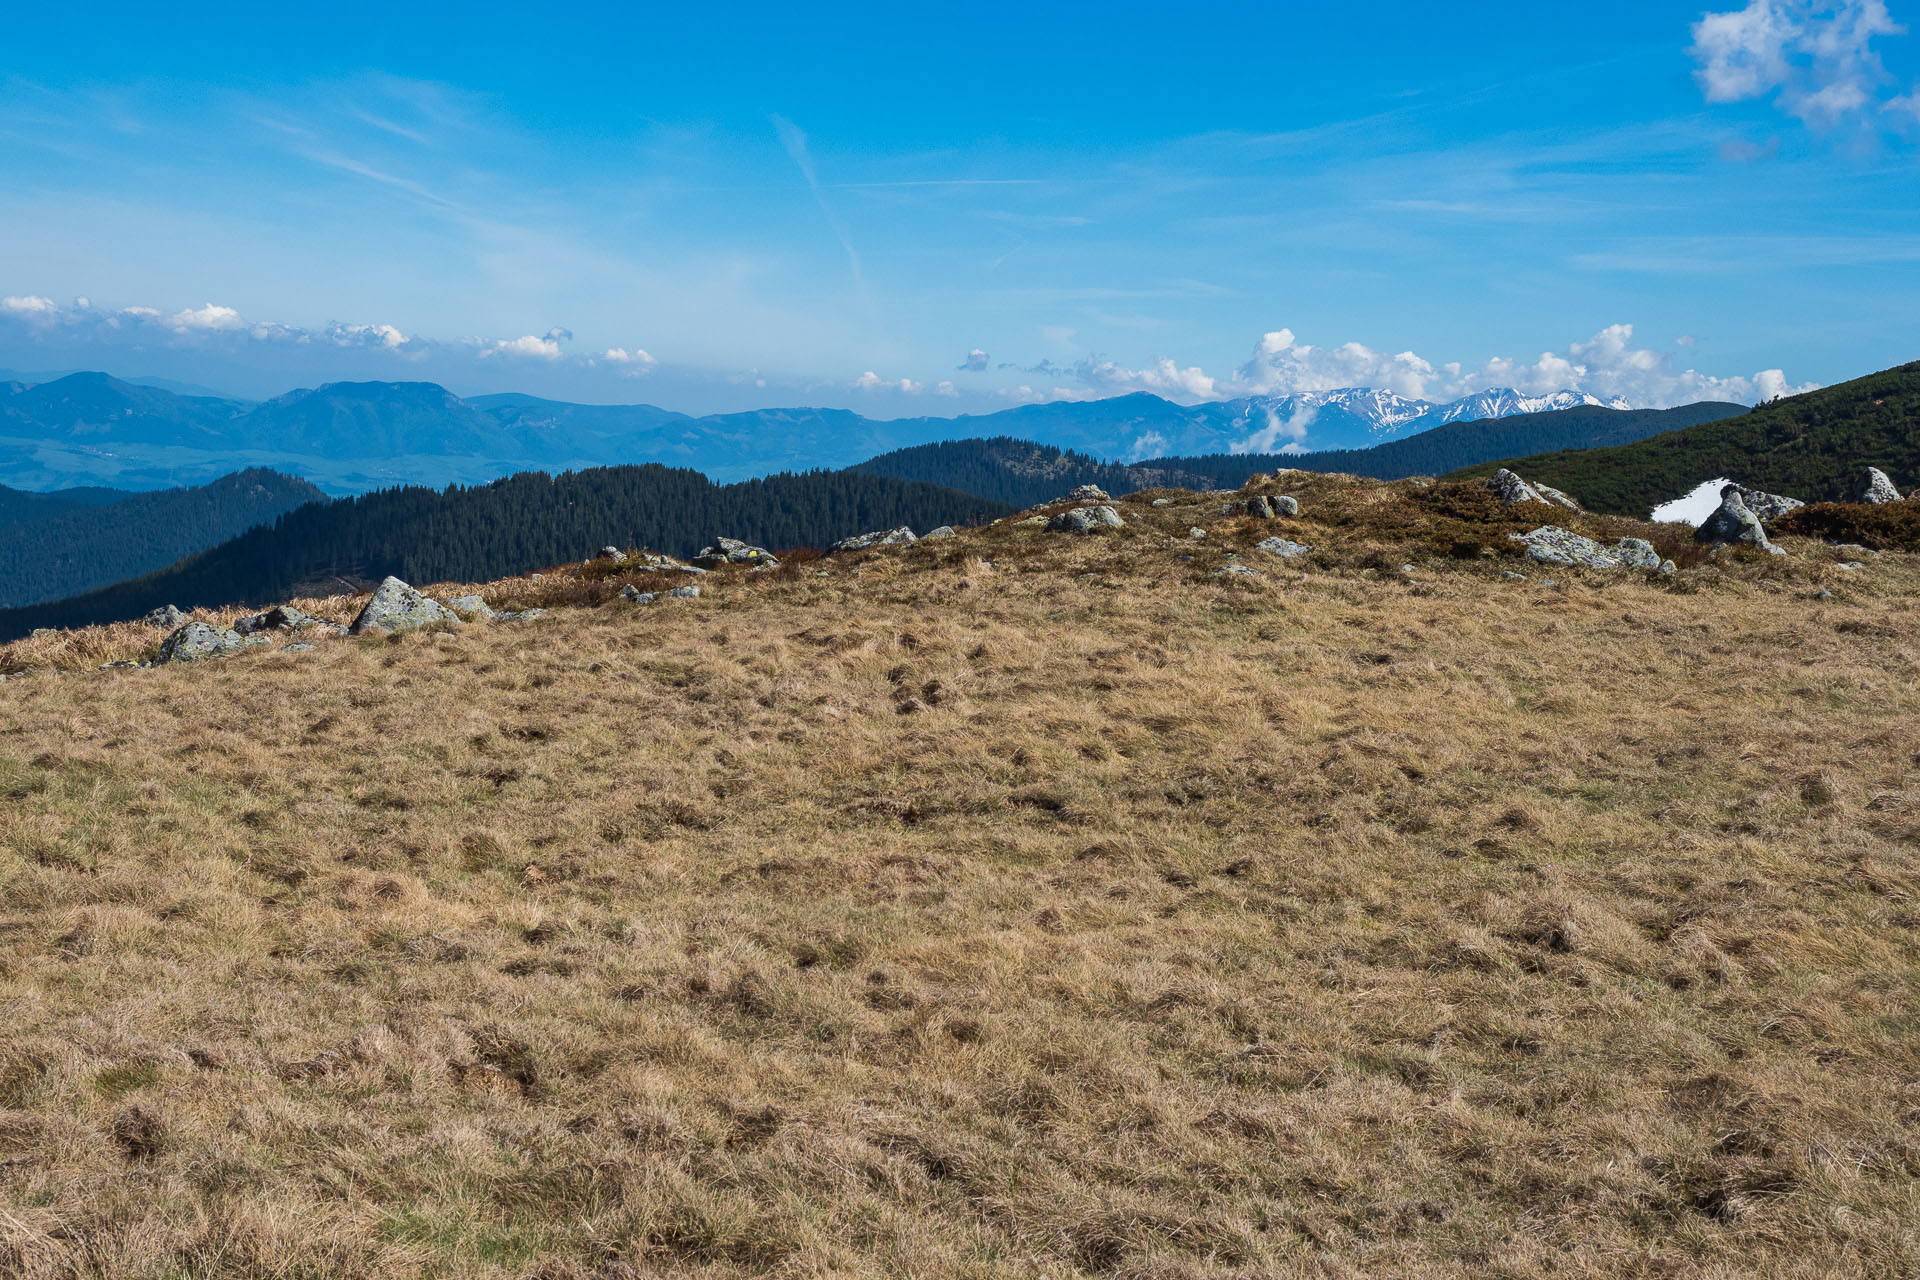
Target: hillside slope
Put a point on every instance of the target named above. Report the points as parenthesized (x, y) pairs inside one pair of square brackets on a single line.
[(21, 506), (511, 526), (80, 546), (1813, 447), (1018, 905)]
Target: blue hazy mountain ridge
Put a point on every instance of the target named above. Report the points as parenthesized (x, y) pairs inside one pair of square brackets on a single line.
[(350, 437)]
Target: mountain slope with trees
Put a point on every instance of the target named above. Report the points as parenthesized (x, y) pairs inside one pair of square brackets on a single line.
[(1814, 447), (524, 522), (76, 546)]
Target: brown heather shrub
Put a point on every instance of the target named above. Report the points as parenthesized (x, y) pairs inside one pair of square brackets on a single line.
[(1330, 923), (1885, 526)]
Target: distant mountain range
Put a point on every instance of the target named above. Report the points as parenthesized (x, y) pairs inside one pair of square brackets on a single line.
[(349, 437), (1815, 447)]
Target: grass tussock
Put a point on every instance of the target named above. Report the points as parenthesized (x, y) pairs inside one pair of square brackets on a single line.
[(1020, 904)]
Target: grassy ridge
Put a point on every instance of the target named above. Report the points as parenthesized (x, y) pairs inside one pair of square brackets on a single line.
[(1814, 447)]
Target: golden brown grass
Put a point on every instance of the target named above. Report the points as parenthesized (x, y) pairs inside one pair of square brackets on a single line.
[(1079, 915)]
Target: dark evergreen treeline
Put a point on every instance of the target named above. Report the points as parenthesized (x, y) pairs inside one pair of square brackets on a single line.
[(69, 541), (524, 522), (1815, 447), (1020, 472)]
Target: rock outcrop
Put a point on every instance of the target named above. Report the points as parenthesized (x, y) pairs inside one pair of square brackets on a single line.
[(1735, 524), (614, 554), (1089, 493), (1511, 488), (282, 617), (1285, 548), (1550, 544), (899, 537), (1877, 488), (472, 609), (397, 607), (1086, 520), (198, 640), (165, 616), (944, 531), (726, 551), (1767, 506)]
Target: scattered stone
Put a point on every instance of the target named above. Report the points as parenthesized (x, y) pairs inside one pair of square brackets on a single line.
[(1511, 576), (472, 609), (1551, 544), (1236, 571), (1196, 532), (282, 617), (901, 537), (1850, 564), (1766, 506), (397, 607), (1877, 488), (1086, 520), (685, 593), (726, 551), (1853, 551), (1163, 502), (165, 616), (1089, 493), (944, 531), (614, 554), (634, 595), (298, 647), (1823, 594), (197, 640), (524, 615), (1733, 523), (1282, 547), (1407, 569)]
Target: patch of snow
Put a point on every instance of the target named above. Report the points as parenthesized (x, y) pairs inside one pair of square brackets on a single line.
[(1693, 507)]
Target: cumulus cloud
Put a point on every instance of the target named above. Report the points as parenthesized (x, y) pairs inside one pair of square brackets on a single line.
[(1607, 365), (529, 347), (30, 308), (1814, 58), (207, 319), (947, 389), (976, 362), (871, 381), (630, 364), (1280, 436)]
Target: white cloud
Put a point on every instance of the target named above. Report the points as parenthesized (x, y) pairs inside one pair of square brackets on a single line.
[(1163, 377), (871, 381), (528, 346), (1815, 58), (1279, 436), (30, 308), (976, 362), (632, 364), (384, 336), (1606, 365), (946, 389), (207, 319)]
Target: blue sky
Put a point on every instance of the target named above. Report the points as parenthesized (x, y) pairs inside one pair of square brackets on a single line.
[(965, 207)]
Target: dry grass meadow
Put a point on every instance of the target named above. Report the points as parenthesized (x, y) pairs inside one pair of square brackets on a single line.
[(1077, 914)]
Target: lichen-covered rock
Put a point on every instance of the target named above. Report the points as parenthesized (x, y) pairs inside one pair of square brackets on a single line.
[(1285, 506), (614, 554), (1550, 494), (471, 609), (726, 551), (1509, 487), (1089, 493), (685, 593), (1236, 570), (397, 607), (1163, 502), (1196, 531), (944, 531), (282, 617), (634, 595), (198, 640), (1876, 487), (1086, 520), (1285, 548), (900, 537), (1767, 506), (1550, 544), (1734, 524), (165, 616)]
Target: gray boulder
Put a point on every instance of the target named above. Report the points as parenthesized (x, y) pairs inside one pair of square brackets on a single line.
[(197, 640), (900, 537), (397, 607), (726, 551), (1086, 520), (1877, 488), (1235, 570), (1734, 524), (1285, 506), (282, 617), (471, 609), (1767, 506), (685, 593), (944, 531), (634, 595), (614, 554), (1089, 493), (1551, 544), (1557, 498), (1163, 502), (1282, 547), (165, 616), (1509, 487)]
